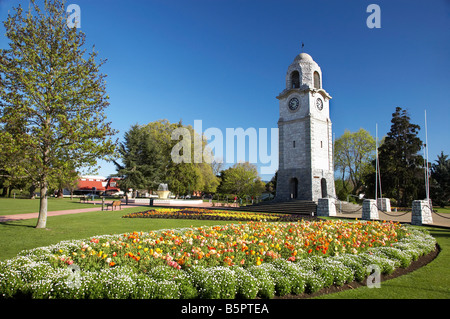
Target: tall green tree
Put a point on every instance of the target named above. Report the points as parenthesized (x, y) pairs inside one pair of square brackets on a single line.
[(353, 153), (401, 165), (440, 180), (54, 94), (242, 179), (141, 164), (145, 160)]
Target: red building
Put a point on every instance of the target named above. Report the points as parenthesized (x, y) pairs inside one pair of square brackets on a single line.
[(99, 185)]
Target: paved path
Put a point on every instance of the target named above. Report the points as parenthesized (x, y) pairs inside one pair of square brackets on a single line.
[(438, 220), (95, 208)]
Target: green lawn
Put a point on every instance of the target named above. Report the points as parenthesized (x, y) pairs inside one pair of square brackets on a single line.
[(431, 281), (11, 206), (440, 210)]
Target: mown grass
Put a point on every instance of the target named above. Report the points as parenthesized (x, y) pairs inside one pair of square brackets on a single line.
[(429, 282), (442, 210), (11, 206)]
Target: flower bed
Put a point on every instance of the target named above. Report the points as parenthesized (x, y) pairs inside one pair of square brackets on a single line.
[(245, 260), (209, 214)]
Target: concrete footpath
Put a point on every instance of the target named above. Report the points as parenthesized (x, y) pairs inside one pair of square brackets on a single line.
[(438, 219)]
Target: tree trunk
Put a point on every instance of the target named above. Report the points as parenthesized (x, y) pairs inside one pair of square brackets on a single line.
[(42, 219), (32, 189)]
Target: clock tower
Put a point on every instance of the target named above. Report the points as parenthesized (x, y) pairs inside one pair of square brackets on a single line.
[(306, 169)]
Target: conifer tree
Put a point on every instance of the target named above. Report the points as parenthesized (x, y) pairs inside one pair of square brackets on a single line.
[(401, 165)]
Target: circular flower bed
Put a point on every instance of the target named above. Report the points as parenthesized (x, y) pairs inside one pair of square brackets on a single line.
[(244, 260), (209, 214)]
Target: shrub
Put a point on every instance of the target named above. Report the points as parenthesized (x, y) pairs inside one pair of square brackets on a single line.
[(404, 259), (266, 283), (354, 262), (146, 287), (314, 282), (387, 266), (215, 282), (247, 284), (294, 273)]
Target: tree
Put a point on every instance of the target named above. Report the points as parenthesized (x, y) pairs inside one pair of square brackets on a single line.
[(440, 180), (242, 179), (353, 153), (208, 180), (141, 166), (54, 95), (146, 161), (401, 167), (271, 186)]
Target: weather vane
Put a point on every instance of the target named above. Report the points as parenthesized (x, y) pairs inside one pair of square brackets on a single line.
[(302, 46)]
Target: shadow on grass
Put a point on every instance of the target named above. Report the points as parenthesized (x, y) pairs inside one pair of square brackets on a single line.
[(14, 223)]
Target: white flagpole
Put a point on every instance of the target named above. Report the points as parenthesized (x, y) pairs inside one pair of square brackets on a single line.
[(427, 180), (376, 164)]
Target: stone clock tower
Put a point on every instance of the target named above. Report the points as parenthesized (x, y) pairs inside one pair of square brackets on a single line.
[(306, 169)]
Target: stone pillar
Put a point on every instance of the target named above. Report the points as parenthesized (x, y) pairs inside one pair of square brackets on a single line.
[(421, 213), (384, 204), (369, 209), (326, 207)]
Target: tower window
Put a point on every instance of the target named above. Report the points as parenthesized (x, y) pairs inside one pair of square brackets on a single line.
[(316, 80), (293, 144), (295, 80), (321, 145)]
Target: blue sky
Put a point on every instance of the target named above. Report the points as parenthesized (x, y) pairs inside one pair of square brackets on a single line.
[(225, 61)]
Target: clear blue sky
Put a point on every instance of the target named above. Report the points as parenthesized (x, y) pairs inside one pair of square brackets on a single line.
[(225, 61)]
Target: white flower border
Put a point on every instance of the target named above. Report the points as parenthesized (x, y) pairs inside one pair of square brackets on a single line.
[(32, 275)]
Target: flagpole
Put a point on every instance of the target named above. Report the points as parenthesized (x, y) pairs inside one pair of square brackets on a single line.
[(376, 163), (427, 179)]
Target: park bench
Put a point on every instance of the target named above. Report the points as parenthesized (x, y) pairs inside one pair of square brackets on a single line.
[(116, 203), (84, 199)]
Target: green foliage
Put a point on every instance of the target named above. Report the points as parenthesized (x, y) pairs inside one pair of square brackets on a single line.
[(355, 264), (266, 281), (52, 99), (141, 158), (242, 179), (214, 283), (401, 165), (353, 153), (145, 160), (247, 284), (440, 180)]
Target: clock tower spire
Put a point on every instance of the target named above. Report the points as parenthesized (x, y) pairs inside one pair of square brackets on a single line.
[(305, 139)]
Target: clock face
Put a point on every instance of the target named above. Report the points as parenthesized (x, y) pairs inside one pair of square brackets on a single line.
[(319, 104), (294, 103)]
